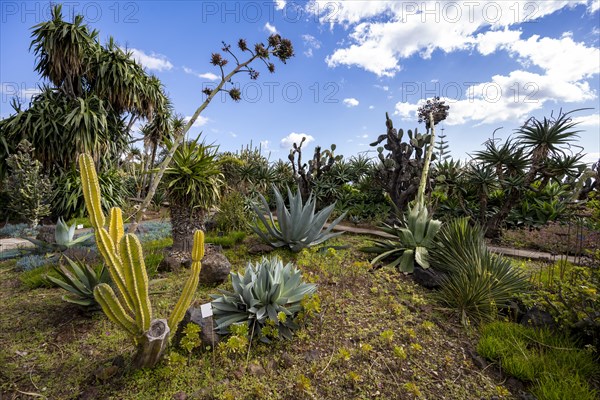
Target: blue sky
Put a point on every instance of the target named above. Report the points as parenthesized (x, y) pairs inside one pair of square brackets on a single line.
[(496, 63)]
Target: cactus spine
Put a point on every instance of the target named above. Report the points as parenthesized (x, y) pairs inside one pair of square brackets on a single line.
[(130, 307)]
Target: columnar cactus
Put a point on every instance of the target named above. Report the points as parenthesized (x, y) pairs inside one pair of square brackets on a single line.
[(130, 307)]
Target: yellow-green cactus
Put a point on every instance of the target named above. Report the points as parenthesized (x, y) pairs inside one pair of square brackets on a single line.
[(130, 307)]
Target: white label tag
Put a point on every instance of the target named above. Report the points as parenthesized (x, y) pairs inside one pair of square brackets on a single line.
[(206, 310), (80, 226)]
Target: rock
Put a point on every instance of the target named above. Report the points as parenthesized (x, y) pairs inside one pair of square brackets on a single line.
[(180, 396), (256, 369), (46, 233), (285, 361), (429, 278), (311, 355), (257, 246), (173, 261), (208, 336), (271, 365), (215, 266), (538, 318)]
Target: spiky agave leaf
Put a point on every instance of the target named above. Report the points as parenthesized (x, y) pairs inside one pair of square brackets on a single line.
[(298, 227), (266, 289)]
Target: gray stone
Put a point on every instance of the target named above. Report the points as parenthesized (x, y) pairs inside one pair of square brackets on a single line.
[(538, 318), (208, 335), (215, 266), (429, 278)]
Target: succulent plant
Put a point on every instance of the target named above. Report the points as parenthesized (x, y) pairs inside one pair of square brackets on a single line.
[(267, 296), (131, 309), (80, 279), (411, 242), (64, 234), (299, 227)]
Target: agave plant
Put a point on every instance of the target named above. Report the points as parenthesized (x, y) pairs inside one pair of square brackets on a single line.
[(80, 279), (410, 243), (299, 227), (65, 234), (267, 296)]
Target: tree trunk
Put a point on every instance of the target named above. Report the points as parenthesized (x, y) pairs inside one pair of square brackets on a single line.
[(184, 222), (152, 345)]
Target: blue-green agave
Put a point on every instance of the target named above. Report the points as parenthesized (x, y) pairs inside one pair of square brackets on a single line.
[(299, 226), (267, 296), (64, 234)]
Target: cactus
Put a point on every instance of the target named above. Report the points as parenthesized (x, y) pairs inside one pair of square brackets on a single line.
[(130, 307), (306, 175), (399, 170)]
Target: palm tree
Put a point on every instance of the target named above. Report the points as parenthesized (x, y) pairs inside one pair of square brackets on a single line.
[(193, 180), (91, 91)]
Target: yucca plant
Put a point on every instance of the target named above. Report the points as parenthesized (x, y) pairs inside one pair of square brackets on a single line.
[(478, 282), (267, 296), (411, 243), (80, 279), (298, 227), (130, 307)]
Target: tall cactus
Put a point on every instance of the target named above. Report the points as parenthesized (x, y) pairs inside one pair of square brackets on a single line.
[(130, 307)]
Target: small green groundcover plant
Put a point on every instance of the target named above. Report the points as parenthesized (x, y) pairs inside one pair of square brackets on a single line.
[(267, 296), (550, 362)]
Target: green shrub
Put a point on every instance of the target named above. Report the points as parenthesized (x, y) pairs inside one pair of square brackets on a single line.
[(267, 297), (478, 282), (27, 186), (232, 215), (229, 240), (17, 231), (32, 262)]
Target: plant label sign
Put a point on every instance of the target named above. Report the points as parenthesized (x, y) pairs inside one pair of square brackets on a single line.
[(206, 310)]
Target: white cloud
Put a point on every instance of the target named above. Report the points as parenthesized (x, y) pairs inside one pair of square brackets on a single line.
[(153, 61), (280, 4), (594, 6), (488, 42), (384, 88), (591, 158), (270, 28), (592, 120), (200, 121), (311, 43), (385, 32), (351, 102), (371, 107), (208, 75), (582, 60), (288, 141)]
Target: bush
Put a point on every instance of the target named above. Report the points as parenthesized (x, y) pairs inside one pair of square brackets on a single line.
[(232, 215), (27, 186), (478, 282), (18, 231), (32, 262)]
